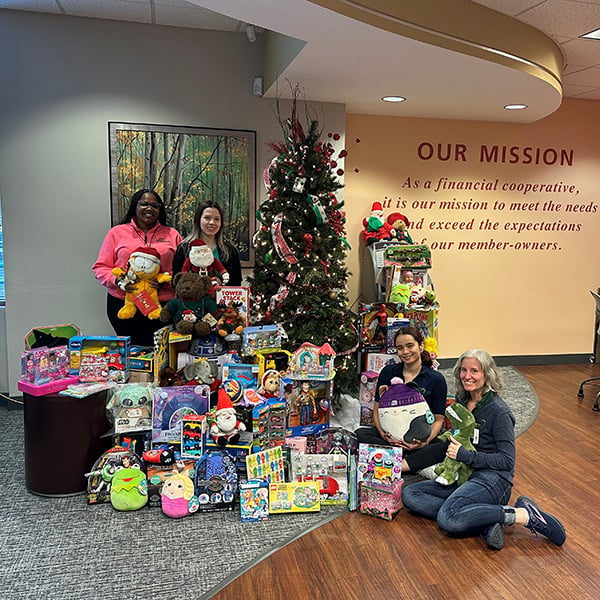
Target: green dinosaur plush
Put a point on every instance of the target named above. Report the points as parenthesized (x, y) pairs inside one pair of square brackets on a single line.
[(462, 427)]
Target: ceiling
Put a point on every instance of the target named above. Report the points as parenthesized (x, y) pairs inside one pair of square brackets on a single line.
[(354, 52)]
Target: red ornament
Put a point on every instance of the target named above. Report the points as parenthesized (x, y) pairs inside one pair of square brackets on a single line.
[(273, 194), (340, 172), (336, 136), (329, 134), (357, 140), (356, 170), (343, 153), (333, 164)]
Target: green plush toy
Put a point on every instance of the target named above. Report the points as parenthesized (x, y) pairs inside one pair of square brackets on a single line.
[(462, 427)]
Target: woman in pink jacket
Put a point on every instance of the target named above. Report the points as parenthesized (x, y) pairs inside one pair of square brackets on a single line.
[(143, 228)]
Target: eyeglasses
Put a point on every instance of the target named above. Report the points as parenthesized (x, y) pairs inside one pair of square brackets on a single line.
[(149, 205)]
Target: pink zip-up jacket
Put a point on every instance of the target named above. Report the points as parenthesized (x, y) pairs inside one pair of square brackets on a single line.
[(122, 240)]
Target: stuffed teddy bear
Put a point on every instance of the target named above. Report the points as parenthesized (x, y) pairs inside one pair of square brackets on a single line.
[(375, 228), (462, 427), (404, 412), (226, 427), (399, 224), (202, 260), (189, 311), (143, 268)]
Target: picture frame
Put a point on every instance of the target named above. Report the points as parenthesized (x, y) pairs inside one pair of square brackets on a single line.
[(187, 165)]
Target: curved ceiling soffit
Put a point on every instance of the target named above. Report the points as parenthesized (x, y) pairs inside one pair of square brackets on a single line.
[(465, 27)]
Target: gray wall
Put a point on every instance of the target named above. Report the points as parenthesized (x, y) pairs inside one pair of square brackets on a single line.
[(62, 80)]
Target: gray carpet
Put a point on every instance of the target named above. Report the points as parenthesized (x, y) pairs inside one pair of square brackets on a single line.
[(63, 549)]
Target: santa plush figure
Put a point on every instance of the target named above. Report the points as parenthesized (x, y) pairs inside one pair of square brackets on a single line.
[(226, 428), (375, 227), (202, 260)]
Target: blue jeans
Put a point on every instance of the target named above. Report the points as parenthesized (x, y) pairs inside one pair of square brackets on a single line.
[(467, 509)]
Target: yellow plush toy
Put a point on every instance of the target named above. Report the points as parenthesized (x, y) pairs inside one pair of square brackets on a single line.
[(137, 281)]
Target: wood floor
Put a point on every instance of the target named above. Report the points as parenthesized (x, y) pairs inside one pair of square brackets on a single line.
[(360, 557)]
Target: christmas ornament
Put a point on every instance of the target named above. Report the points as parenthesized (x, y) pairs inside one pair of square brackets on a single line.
[(317, 207)]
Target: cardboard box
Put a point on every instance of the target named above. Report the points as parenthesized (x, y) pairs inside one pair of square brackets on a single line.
[(299, 496), (379, 499), (113, 349), (254, 501)]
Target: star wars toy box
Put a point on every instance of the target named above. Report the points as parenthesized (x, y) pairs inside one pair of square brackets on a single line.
[(130, 407), (309, 403), (381, 499), (293, 497), (99, 358), (216, 481), (171, 405), (254, 501)]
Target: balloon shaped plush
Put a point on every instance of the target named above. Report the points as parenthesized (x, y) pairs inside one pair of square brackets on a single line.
[(404, 412), (462, 428), (139, 281)]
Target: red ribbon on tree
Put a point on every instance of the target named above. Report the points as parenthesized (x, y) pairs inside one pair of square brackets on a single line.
[(284, 251)]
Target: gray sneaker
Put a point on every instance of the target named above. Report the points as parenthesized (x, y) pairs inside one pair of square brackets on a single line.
[(493, 536)]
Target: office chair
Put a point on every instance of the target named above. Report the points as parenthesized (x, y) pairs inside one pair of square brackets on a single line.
[(593, 380)]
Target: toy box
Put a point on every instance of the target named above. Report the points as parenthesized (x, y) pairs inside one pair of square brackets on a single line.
[(329, 470), (216, 481), (35, 366), (171, 405), (425, 320), (236, 296), (254, 501), (309, 405), (158, 473), (131, 408), (381, 463), (381, 499), (266, 464), (375, 361), (374, 319), (245, 375), (50, 387), (335, 440), (394, 324), (366, 394), (264, 337), (141, 359), (58, 362), (260, 427), (297, 496), (95, 353), (312, 362), (239, 451), (277, 422), (408, 256), (296, 444), (271, 359), (193, 431)]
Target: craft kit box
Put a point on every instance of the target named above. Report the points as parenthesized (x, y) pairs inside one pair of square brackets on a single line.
[(254, 500), (379, 499), (381, 463), (299, 496)]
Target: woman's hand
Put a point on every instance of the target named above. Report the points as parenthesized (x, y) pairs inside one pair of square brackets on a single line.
[(415, 445), (383, 389), (453, 447)]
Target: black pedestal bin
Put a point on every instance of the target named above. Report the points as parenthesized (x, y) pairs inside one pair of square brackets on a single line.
[(63, 438)]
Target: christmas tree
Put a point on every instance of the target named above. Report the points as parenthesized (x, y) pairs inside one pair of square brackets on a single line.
[(300, 278)]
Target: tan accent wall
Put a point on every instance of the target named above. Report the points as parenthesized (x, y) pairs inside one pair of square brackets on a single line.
[(512, 264)]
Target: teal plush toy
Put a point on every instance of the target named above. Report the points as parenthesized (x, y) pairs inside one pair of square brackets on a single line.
[(462, 427)]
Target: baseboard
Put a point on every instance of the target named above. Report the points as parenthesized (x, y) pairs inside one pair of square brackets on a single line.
[(534, 359), (11, 402)]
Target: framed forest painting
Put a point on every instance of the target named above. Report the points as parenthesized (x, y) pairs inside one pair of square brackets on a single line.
[(187, 165)]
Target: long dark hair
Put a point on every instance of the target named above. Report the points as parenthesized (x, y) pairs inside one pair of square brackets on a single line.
[(415, 333), (197, 231), (135, 199)]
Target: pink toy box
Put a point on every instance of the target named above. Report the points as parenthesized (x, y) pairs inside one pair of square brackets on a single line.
[(381, 499)]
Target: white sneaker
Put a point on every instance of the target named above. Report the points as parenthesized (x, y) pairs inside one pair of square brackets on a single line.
[(428, 472)]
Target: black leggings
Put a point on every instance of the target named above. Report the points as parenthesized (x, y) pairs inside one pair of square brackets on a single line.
[(429, 455), (139, 328)]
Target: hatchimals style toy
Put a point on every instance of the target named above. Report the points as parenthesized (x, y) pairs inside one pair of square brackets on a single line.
[(382, 463), (254, 501), (266, 464), (171, 405)]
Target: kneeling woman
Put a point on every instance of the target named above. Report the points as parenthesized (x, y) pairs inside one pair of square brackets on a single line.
[(480, 506)]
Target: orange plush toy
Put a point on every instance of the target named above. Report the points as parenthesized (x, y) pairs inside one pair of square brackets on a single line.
[(138, 281)]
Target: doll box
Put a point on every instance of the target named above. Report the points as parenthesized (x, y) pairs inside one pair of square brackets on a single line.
[(366, 392), (379, 499), (254, 501), (309, 402), (298, 496)]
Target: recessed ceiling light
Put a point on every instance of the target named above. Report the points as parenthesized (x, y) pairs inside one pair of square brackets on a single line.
[(592, 35), (515, 106), (393, 98)]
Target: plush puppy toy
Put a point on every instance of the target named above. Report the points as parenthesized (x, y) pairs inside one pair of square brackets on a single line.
[(462, 428), (143, 268)]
